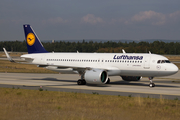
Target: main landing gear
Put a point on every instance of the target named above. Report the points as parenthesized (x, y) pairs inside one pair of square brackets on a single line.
[(151, 82), (81, 82), (108, 81)]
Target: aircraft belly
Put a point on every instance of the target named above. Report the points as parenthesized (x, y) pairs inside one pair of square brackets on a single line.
[(138, 73), (114, 72), (145, 73)]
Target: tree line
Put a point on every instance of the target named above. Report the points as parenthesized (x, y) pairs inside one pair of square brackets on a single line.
[(157, 47)]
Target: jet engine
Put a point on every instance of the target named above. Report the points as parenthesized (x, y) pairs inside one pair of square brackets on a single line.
[(131, 78), (96, 76)]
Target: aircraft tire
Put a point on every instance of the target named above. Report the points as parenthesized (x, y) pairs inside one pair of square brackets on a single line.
[(81, 82), (84, 82), (108, 81), (151, 85)]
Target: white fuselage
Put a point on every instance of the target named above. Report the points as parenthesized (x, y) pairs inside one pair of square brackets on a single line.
[(116, 64)]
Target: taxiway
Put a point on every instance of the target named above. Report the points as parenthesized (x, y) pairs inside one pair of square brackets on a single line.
[(166, 87)]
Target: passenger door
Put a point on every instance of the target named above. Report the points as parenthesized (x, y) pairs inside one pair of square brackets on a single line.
[(147, 62)]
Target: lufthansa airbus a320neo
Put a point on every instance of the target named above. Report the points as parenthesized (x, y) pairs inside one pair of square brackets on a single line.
[(95, 68)]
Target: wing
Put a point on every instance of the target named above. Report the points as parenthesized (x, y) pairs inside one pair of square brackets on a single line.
[(25, 61), (8, 56)]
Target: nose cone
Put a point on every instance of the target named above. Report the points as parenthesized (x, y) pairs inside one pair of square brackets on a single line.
[(174, 69), (171, 69)]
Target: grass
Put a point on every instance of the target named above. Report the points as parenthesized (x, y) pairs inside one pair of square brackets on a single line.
[(18, 104), (6, 66), (34, 104), (12, 54), (173, 58)]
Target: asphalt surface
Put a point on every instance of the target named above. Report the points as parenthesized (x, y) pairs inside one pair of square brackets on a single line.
[(166, 87)]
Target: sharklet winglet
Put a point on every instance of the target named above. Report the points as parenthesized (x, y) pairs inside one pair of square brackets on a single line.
[(8, 56)]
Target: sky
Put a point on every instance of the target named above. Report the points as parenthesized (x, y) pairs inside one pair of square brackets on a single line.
[(91, 19)]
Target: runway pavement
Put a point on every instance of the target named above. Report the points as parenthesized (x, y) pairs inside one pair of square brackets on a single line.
[(166, 87)]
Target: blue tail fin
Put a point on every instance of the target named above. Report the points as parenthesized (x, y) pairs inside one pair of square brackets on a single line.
[(33, 43)]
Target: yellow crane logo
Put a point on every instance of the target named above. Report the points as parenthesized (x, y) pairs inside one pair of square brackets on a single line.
[(30, 39)]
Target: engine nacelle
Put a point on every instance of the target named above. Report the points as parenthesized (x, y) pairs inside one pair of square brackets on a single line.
[(131, 78), (96, 76)]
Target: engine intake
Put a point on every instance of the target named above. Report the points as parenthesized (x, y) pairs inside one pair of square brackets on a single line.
[(131, 78), (96, 76)]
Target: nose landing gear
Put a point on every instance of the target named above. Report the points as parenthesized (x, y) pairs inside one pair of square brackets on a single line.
[(151, 82)]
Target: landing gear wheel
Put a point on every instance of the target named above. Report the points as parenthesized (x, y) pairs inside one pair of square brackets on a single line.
[(81, 82), (151, 85), (151, 82), (108, 81), (84, 82)]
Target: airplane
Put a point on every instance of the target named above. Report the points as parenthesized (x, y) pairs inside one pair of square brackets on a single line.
[(95, 68)]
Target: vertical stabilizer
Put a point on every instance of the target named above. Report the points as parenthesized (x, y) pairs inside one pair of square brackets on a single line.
[(33, 43)]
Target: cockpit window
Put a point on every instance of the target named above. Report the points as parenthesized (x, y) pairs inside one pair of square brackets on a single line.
[(167, 61), (159, 61), (163, 61)]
